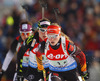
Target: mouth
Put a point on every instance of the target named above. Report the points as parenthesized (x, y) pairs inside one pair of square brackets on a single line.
[(44, 36), (52, 42)]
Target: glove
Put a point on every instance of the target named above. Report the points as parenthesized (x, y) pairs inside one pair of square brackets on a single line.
[(85, 75), (1, 74), (29, 40)]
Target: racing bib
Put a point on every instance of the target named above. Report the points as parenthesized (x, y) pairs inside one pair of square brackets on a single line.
[(25, 59)]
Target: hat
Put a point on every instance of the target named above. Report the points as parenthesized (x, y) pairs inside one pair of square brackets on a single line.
[(53, 29), (43, 23), (25, 28)]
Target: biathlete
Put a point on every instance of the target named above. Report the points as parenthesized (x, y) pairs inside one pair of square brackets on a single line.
[(62, 55), (33, 74), (25, 30)]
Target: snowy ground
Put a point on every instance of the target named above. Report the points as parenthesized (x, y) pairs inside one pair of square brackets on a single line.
[(94, 72)]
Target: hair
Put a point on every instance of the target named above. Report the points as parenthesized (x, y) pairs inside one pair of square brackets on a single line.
[(45, 25), (25, 22), (44, 19), (62, 33)]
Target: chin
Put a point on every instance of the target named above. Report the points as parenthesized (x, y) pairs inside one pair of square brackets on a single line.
[(53, 44), (44, 37), (23, 39)]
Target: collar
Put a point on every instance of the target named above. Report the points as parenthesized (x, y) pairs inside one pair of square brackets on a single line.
[(40, 40)]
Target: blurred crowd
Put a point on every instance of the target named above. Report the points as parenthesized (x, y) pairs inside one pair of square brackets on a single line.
[(80, 20)]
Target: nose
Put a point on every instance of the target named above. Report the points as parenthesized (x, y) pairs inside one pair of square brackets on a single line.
[(45, 33), (51, 38), (25, 36)]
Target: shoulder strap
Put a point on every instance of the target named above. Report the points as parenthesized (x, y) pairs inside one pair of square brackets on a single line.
[(63, 43), (33, 42), (18, 45)]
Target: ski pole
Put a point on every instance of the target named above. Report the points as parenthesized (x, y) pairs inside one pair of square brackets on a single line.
[(44, 74), (83, 79)]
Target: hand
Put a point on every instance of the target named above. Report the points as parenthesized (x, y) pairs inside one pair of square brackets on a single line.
[(1, 74), (29, 40), (85, 75)]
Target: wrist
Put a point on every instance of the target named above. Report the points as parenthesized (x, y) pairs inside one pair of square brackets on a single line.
[(85, 75), (84, 72)]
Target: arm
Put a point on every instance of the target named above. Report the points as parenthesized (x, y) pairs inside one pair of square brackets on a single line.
[(39, 59), (79, 56), (77, 53), (26, 45), (9, 56), (39, 56), (82, 59)]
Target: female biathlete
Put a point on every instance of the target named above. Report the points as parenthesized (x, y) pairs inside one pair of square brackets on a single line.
[(25, 30), (33, 74), (62, 55)]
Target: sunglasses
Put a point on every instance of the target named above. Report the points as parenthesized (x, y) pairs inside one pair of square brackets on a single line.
[(43, 30), (25, 33), (52, 36)]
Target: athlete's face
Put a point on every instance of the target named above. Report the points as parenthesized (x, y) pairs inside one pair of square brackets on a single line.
[(53, 38), (43, 33), (25, 35)]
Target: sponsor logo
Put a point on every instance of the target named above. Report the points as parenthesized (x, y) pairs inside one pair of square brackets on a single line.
[(57, 57), (35, 50), (24, 26), (71, 48)]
